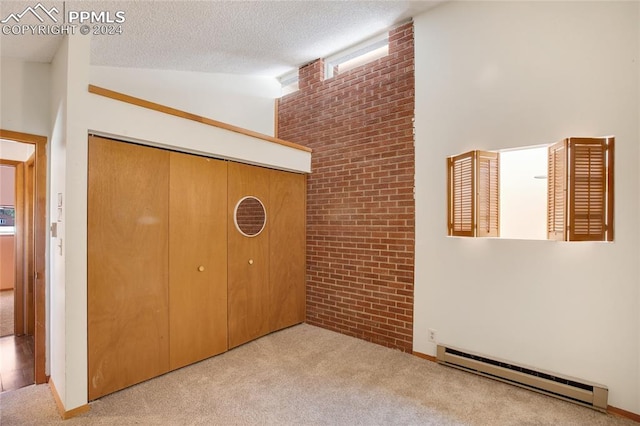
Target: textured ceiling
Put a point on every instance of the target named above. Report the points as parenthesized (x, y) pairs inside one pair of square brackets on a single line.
[(267, 38)]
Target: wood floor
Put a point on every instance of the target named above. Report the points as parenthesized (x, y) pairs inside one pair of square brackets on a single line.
[(16, 362)]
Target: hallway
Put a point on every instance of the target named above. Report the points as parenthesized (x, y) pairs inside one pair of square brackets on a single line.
[(16, 362), (16, 352)]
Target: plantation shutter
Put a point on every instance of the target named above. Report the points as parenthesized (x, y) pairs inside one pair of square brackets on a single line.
[(590, 189), (488, 193), (473, 193), (557, 191), (580, 190), (461, 194)]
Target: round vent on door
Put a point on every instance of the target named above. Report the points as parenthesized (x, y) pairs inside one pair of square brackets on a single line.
[(250, 216)]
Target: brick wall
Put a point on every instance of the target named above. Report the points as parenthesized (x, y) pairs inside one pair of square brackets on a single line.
[(360, 207), (250, 216)]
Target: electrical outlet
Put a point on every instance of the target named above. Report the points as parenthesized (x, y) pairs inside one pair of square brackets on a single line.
[(432, 335)]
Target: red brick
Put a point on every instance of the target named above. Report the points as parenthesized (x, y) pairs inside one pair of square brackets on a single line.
[(360, 207)]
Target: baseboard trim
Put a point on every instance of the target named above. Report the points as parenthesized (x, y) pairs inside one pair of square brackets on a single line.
[(623, 413), (61, 410), (425, 356), (619, 412)]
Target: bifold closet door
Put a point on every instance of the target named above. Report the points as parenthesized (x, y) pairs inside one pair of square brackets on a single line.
[(197, 258), (127, 260), (287, 249), (248, 263)]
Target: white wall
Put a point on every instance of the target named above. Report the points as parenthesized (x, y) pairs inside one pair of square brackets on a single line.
[(24, 96), (56, 319), (75, 212), (243, 101), (497, 75), (132, 123)]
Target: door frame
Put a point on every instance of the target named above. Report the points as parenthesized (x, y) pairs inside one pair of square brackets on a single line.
[(20, 261), (40, 237)]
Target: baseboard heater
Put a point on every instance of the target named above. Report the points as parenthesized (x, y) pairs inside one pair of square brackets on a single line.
[(569, 389)]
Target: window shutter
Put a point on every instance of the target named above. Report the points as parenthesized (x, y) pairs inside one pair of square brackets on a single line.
[(590, 195), (580, 190), (556, 191), (461, 194), (488, 193)]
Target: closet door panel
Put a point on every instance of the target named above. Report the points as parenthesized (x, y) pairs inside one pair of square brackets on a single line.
[(287, 249), (128, 321), (197, 258), (248, 263)]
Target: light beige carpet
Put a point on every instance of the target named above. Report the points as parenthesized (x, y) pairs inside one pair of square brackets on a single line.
[(305, 375), (6, 313)]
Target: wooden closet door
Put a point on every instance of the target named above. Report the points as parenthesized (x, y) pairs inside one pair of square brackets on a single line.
[(287, 244), (128, 315), (248, 279), (197, 258)]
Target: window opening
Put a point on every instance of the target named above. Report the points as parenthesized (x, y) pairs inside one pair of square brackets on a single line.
[(509, 194), (360, 54)]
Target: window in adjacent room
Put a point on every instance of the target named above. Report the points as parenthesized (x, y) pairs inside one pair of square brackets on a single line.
[(579, 192), (7, 219)]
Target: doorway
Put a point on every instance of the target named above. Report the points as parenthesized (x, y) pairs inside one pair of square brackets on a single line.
[(23, 226)]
